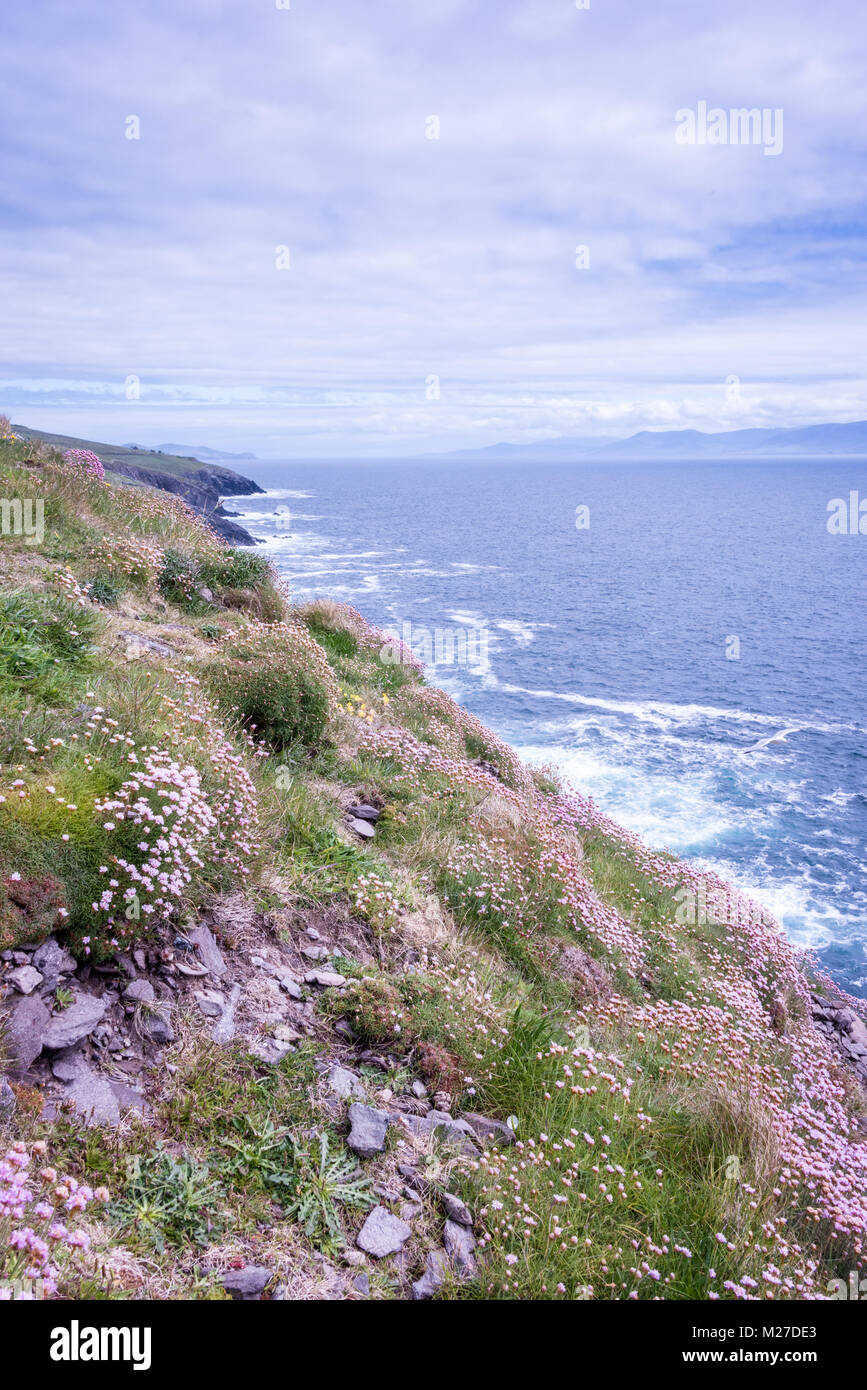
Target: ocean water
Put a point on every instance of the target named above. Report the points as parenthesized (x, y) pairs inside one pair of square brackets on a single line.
[(693, 658)]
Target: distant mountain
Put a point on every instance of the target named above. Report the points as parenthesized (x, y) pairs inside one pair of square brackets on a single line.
[(195, 451), (811, 441)]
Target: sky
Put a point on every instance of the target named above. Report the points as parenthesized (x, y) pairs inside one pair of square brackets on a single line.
[(313, 228)]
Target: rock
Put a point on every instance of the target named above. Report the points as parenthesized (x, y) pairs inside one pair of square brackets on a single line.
[(460, 1244), (210, 1002), (24, 979), (95, 1101), (435, 1270), (455, 1132), (211, 956), (369, 1128), (313, 934), (353, 1257), (456, 1210), (361, 827), (140, 958), (137, 645), (269, 1050), (74, 1023), (206, 593), (383, 1234), (328, 979), (139, 991), (345, 1030), (419, 1089), (291, 986), (315, 952), (488, 1130), (344, 1083), (53, 961), (224, 1029), (361, 1284), (156, 1024), (7, 1097), (245, 1285), (364, 812)]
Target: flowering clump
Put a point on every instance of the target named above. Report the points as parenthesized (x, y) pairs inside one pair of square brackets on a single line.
[(134, 558), (37, 1221), (187, 822), (84, 461)]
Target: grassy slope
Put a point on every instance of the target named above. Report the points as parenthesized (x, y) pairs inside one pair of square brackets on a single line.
[(670, 1097)]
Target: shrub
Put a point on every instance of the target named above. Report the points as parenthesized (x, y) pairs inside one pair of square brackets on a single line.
[(236, 569), (275, 698), (102, 589), (179, 577), (85, 461)]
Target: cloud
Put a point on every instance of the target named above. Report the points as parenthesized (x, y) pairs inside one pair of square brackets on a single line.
[(413, 258)]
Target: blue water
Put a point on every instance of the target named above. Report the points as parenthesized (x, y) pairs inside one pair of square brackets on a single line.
[(607, 646)]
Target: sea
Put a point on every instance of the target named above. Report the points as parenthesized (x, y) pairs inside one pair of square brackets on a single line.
[(686, 641)]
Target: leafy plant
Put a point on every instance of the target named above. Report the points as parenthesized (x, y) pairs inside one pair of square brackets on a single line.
[(321, 1185), (169, 1199)]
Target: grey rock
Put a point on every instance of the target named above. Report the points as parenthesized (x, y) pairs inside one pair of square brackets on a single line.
[(369, 1129), (456, 1210), (460, 1243), (315, 952), (361, 1284), (488, 1130), (270, 1050), (224, 1028), (210, 1003), (156, 1024), (328, 979), (7, 1097), (344, 1083), (245, 1285), (383, 1234), (353, 1257), (455, 1132), (28, 1019), (138, 991), (94, 1099), (345, 1030), (291, 987), (24, 979), (419, 1089), (74, 1023), (435, 1270), (362, 828), (53, 961), (211, 956), (364, 812)]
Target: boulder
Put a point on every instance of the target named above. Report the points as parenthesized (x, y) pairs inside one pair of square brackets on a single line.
[(28, 1020), (368, 1133), (24, 979), (383, 1234), (247, 1284), (456, 1210), (140, 991), (460, 1243), (74, 1023), (344, 1083), (488, 1130), (53, 961), (211, 956), (435, 1270)]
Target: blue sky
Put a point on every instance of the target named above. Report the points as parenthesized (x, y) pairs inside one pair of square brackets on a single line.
[(419, 264)]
